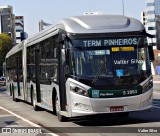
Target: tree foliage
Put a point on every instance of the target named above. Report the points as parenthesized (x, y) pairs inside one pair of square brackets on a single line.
[(5, 46)]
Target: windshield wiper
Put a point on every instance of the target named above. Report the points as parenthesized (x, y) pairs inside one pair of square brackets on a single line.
[(98, 73)]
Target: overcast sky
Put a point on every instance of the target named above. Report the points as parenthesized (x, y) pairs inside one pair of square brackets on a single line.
[(51, 11)]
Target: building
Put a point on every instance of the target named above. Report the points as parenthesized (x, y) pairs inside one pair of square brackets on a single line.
[(151, 24), (144, 18), (151, 20), (7, 22), (19, 27)]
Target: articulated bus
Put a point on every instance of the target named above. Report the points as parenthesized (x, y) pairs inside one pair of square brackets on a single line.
[(84, 65)]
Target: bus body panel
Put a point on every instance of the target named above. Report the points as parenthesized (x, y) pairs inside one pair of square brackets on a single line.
[(46, 94), (24, 64), (15, 89), (146, 99), (29, 92)]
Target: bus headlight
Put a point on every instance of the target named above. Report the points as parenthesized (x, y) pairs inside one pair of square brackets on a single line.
[(147, 86), (78, 89)]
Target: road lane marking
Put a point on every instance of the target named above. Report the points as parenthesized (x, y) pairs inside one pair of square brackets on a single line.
[(29, 122), (156, 82), (156, 93)]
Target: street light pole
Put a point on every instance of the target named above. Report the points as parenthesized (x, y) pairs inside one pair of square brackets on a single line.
[(123, 6)]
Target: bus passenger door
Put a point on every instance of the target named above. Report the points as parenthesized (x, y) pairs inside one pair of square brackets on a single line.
[(37, 73)]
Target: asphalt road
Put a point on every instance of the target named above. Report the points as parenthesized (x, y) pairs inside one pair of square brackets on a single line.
[(102, 125)]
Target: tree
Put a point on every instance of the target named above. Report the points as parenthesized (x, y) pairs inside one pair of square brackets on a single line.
[(5, 46)]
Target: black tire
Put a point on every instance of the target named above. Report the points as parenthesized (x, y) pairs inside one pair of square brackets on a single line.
[(10, 90), (35, 107), (54, 106), (60, 117), (31, 96), (13, 96)]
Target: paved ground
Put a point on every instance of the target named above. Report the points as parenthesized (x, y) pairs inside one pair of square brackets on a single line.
[(156, 78), (10, 122)]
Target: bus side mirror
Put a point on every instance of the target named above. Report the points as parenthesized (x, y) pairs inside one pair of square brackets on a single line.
[(151, 53)]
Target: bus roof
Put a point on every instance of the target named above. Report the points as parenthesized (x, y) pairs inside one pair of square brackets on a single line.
[(88, 24), (15, 49), (101, 24)]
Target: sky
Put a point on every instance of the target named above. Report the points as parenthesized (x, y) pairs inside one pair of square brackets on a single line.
[(52, 11)]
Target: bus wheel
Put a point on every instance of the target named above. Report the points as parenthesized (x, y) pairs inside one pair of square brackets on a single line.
[(60, 117), (13, 96), (35, 107), (10, 90), (54, 105)]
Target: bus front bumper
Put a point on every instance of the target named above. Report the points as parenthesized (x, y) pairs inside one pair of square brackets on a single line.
[(82, 106)]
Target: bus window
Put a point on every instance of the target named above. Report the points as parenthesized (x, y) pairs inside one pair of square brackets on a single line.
[(87, 63)]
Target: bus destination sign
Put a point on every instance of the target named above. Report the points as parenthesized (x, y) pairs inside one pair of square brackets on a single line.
[(110, 42)]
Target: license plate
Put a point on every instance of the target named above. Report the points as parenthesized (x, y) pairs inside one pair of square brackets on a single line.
[(117, 108)]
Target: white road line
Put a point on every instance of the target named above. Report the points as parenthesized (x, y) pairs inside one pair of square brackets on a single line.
[(27, 121), (156, 93), (156, 82)]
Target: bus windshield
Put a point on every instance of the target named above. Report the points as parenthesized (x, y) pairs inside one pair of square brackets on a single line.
[(96, 61)]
